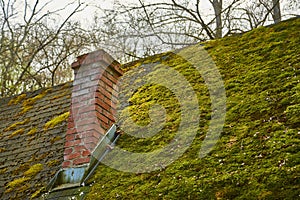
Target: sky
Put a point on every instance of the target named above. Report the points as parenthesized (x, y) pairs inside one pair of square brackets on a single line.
[(86, 15)]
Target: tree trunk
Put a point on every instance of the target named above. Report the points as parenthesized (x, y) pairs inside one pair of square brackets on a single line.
[(217, 5), (276, 14)]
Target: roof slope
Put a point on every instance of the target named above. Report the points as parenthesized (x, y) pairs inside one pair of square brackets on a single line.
[(32, 137), (257, 155)]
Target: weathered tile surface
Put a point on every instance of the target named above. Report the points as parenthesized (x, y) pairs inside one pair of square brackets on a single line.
[(31, 154)]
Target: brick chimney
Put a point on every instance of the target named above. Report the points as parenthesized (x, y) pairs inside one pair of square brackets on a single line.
[(94, 99)]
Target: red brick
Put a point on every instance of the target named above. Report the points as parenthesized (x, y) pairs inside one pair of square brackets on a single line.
[(76, 87), (104, 92), (70, 137), (86, 153), (102, 118), (66, 164), (98, 95), (105, 126), (68, 151), (91, 134), (96, 76), (109, 116), (90, 146), (114, 93), (82, 98), (88, 115), (89, 84), (101, 83), (80, 148), (103, 105), (70, 124), (107, 101), (93, 127), (72, 156), (72, 143), (93, 105), (90, 140), (86, 121), (107, 81), (113, 79), (79, 105), (109, 88), (71, 131), (80, 161), (92, 71), (86, 109), (114, 99), (114, 106), (79, 80)]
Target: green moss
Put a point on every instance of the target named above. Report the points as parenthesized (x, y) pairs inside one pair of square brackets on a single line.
[(3, 171), (16, 183), (293, 114), (257, 155), (56, 120), (21, 169), (17, 132), (64, 94), (33, 170), (28, 103), (53, 140), (25, 109), (15, 125), (17, 100), (32, 131), (37, 193), (52, 163)]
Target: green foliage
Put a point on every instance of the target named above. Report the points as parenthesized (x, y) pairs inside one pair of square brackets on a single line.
[(257, 155)]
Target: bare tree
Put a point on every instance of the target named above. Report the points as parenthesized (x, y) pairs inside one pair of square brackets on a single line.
[(276, 14), (34, 46), (147, 28)]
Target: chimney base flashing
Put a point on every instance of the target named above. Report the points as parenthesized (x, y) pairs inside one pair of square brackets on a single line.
[(67, 178)]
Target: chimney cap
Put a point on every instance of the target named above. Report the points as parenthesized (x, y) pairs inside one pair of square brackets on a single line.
[(97, 56)]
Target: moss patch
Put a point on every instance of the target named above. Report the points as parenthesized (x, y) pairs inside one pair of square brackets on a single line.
[(29, 103), (33, 170), (15, 184), (32, 131), (53, 140), (3, 171), (15, 125), (257, 155), (17, 100), (37, 193), (56, 120), (52, 163), (17, 132)]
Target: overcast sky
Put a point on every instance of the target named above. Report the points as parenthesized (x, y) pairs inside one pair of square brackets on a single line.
[(88, 13)]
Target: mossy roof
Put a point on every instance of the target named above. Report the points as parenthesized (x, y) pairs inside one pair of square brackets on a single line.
[(30, 151), (257, 155)]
